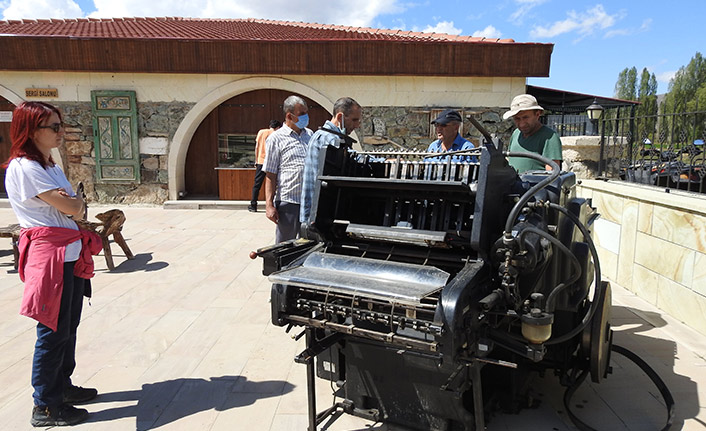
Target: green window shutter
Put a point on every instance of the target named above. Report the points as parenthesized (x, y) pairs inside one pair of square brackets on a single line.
[(115, 136)]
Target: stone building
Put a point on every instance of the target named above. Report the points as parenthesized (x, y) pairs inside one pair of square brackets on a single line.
[(163, 108)]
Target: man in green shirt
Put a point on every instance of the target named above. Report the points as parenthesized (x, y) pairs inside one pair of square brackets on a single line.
[(531, 136)]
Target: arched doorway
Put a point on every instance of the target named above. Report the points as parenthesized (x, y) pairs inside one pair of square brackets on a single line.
[(6, 108), (222, 147)]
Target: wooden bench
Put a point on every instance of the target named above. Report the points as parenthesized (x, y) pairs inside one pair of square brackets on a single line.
[(111, 224), (12, 231)]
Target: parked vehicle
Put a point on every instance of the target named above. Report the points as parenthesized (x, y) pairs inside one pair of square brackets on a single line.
[(668, 168)]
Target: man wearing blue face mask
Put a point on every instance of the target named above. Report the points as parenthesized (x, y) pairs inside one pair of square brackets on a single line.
[(284, 164)]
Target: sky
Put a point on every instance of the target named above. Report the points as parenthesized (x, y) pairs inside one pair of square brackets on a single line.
[(593, 41)]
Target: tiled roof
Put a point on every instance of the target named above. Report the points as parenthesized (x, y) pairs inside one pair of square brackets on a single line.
[(217, 29)]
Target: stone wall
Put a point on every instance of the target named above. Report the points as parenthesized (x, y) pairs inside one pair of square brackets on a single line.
[(157, 123), (394, 127), (384, 127), (581, 155)]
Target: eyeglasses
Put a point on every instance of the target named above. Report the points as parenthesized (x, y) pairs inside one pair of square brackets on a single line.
[(54, 127)]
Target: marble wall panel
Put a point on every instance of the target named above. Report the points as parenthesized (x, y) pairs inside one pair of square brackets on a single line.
[(644, 218), (609, 206), (682, 303), (645, 284), (665, 258), (628, 233), (607, 235), (699, 282), (609, 263), (680, 227)]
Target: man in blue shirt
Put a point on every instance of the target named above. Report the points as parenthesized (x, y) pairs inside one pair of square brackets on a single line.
[(447, 125), (347, 115)]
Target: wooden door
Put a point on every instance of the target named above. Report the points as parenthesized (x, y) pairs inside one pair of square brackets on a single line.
[(249, 112), (6, 109), (201, 179), (243, 114)]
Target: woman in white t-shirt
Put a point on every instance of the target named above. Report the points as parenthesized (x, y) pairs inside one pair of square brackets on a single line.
[(45, 206)]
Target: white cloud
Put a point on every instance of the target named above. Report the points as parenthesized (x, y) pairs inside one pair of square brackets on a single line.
[(618, 32), (665, 77), (326, 12), (645, 26), (443, 27), (583, 23), (362, 13), (489, 32), (18, 9), (523, 9)]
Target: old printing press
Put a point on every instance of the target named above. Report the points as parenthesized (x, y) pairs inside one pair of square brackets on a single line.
[(431, 288)]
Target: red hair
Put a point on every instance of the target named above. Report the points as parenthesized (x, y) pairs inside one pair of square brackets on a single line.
[(26, 119)]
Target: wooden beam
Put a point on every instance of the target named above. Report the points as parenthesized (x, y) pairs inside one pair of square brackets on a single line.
[(333, 57)]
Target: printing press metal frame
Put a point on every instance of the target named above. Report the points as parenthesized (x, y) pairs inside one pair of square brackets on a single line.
[(430, 290)]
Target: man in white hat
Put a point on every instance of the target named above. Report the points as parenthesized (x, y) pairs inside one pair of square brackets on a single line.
[(531, 135)]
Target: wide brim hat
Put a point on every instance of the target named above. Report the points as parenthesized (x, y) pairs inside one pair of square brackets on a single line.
[(523, 102)]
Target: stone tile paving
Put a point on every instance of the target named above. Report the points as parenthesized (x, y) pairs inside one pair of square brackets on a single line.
[(180, 339)]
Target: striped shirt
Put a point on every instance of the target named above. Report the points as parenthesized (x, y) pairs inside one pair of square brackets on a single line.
[(285, 156)]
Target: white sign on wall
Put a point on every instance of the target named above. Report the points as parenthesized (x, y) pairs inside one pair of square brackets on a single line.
[(5, 116), (152, 145)]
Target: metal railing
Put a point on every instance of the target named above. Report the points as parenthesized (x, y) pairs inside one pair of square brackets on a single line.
[(572, 124), (665, 150)]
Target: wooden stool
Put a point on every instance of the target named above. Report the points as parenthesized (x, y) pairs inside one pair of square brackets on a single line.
[(12, 231), (111, 224)]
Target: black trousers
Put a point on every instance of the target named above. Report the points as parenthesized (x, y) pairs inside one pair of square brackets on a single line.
[(259, 179), (288, 224)]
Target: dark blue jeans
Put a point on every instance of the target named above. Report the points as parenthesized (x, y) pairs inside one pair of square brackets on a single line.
[(54, 353)]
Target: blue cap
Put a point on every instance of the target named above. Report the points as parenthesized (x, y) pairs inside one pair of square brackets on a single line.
[(447, 116)]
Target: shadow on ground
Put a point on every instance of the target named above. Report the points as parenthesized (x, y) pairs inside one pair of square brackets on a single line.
[(141, 262), (611, 404), (627, 387), (161, 403)]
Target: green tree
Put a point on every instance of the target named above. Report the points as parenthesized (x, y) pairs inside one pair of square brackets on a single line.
[(626, 86), (647, 96), (687, 93), (687, 85)]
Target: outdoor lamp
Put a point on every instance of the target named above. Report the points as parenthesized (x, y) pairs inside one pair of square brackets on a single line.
[(594, 111)]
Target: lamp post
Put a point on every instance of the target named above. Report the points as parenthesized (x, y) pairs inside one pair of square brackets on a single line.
[(594, 111)]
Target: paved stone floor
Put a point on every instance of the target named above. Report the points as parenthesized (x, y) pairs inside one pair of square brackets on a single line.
[(180, 339)]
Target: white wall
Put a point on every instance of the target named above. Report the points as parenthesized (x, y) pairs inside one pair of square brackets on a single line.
[(367, 90)]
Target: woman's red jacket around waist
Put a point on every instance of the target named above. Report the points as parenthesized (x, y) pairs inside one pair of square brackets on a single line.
[(41, 267)]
